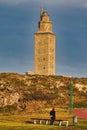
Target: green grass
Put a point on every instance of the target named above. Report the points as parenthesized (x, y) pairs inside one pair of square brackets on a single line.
[(24, 122)]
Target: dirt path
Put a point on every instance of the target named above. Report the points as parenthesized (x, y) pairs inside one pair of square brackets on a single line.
[(81, 112)]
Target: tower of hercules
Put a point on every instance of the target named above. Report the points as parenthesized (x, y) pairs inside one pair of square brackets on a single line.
[(44, 46)]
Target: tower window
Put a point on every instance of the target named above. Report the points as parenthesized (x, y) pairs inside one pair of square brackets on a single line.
[(44, 68), (44, 59)]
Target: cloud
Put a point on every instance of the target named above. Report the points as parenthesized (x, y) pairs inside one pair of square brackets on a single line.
[(13, 2), (84, 5), (46, 2)]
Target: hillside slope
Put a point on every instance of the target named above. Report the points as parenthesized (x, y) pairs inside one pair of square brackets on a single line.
[(27, 93)]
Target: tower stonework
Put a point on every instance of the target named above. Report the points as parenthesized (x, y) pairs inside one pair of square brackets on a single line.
[(44, 46)]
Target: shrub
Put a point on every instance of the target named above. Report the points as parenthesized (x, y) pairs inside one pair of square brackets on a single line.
[(80, 105)]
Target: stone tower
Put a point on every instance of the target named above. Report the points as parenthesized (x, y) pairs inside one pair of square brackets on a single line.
[(44, 46)]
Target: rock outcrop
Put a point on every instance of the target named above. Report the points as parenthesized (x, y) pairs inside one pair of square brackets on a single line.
[(31, 92)]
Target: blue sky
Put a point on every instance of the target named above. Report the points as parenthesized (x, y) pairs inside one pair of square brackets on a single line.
[(18, 23)]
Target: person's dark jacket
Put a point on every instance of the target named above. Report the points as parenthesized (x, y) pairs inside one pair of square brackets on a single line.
[(52, 114)]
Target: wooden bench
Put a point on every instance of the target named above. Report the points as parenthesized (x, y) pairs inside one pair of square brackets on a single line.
[(40, 120), (60, 122)]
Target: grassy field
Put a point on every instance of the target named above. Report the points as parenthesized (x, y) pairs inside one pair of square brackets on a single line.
[(24, 122)]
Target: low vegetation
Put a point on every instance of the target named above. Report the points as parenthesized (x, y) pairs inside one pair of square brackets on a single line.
[(25, 96), (23, 92), (24, 122)]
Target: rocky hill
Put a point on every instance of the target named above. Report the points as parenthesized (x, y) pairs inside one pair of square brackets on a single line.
[(27, 93)]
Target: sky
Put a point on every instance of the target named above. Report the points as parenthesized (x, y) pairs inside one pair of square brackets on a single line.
[(18, 23)]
